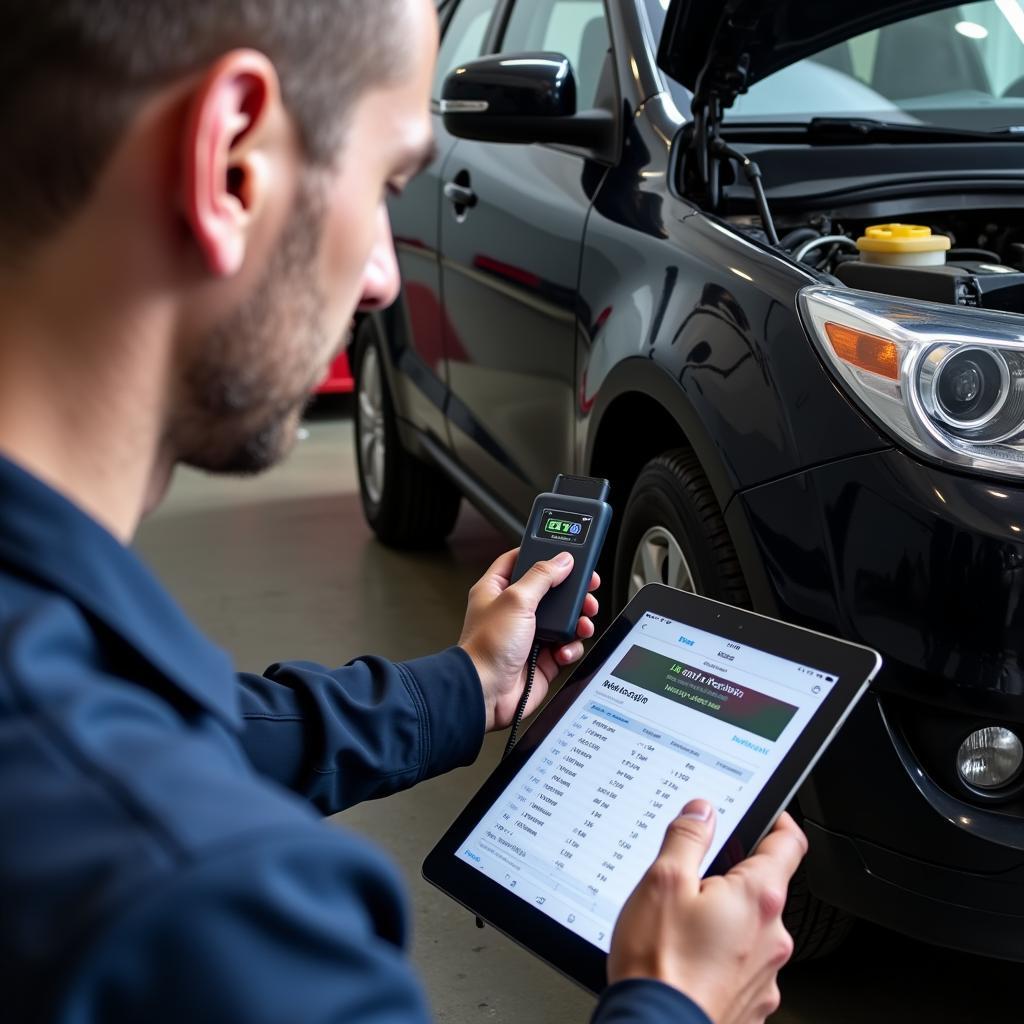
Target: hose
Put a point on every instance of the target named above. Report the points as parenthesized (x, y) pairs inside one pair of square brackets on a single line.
[(809, 247), (798, 235)]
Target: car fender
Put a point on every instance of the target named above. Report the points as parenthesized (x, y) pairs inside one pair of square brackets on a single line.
[(646, 379), (648, 387)]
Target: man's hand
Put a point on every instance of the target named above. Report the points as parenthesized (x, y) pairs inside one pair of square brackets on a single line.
[(499, 633), (721, 940)]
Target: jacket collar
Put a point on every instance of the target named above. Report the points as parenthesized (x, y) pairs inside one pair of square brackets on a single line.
[(45, 536)]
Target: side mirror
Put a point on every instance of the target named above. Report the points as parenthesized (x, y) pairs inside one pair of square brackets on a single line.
[(523, 98)]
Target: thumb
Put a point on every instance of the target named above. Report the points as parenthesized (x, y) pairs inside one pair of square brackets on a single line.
[(541, 577), (688, 838)]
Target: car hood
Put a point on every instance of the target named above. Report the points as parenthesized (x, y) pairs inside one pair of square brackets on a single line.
[(725, 47)]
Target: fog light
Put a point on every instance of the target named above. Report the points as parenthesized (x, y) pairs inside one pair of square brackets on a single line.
[(990, 758)]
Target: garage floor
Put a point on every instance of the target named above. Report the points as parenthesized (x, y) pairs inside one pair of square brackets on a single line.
[(285, 567)]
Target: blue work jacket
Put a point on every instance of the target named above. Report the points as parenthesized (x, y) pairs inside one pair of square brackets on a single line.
[(162, 857)]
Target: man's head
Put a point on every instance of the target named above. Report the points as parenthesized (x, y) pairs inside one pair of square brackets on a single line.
[(218, 167)]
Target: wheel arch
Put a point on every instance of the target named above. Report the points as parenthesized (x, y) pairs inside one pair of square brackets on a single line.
[(638, 391)]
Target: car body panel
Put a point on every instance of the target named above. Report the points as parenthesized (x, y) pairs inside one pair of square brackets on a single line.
[(716, 313), (510, 299), (699, 35), (974, 913), (923, 563), (415, 326)]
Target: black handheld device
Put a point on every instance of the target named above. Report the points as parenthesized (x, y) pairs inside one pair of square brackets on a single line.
[(573, 516)]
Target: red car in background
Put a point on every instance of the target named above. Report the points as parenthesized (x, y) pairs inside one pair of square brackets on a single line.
[(339, 378)]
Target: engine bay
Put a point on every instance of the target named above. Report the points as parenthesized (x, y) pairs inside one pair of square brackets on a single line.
[(983, 267)]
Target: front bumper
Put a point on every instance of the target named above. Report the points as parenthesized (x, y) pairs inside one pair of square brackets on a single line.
[(979, 914), (928, 568)]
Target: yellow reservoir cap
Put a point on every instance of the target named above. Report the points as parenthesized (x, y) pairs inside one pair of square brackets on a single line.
[(901, 238)]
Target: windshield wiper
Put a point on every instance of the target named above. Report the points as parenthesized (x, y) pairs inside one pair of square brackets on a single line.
[(853, 129)]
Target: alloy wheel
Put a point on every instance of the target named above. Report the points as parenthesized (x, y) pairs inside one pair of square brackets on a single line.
[(659, 559), (372, 449)]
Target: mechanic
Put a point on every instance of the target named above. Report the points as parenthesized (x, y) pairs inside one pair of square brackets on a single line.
[(191, 209)]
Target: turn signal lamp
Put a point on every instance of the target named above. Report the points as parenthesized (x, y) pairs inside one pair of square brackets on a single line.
[(946, 381), (865, 351)]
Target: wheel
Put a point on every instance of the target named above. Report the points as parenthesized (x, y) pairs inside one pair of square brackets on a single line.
[(817, 928), (673, 533), (408, 503)]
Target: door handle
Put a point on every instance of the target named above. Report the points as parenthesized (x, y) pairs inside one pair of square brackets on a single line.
[(462, 197)]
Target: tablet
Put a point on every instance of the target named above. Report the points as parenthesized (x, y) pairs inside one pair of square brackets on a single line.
[(681, 697)]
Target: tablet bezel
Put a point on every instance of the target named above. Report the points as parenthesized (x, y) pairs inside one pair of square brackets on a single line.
[(573, 956)]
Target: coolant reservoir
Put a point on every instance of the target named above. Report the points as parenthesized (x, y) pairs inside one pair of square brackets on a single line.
[(902, 245)]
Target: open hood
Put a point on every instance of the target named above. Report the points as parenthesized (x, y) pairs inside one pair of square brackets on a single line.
[(719, 49)]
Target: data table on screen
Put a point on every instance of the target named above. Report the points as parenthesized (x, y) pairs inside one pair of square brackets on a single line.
[(585, 816)]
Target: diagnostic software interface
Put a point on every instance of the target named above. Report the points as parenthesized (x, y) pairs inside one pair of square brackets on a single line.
[(675, 713)]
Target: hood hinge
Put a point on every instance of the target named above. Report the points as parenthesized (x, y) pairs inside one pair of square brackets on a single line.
[(722, 81)]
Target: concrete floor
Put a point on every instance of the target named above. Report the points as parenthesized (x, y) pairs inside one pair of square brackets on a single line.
[(284, 566)]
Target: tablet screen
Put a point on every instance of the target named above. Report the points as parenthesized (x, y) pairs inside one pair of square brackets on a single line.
[(675, 713)]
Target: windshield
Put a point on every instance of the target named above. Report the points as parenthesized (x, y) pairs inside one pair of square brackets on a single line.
[(962, 67)]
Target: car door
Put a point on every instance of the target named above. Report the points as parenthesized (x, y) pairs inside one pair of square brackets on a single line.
[(512, 229), (414, 326)]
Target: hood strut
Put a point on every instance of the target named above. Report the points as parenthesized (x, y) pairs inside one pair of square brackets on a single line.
[(711, 149)]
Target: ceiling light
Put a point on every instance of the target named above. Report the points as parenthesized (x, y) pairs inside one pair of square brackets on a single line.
[(971, 29)]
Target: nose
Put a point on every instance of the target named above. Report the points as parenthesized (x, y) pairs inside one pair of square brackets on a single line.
[(381, 278)]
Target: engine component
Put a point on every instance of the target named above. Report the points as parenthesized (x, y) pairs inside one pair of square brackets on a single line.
[(979, 285), (808, 247), (903, 245)]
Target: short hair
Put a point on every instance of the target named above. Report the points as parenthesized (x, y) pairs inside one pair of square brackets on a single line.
[(74, 72)]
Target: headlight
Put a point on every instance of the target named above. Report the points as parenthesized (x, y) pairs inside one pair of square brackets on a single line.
[(947, 381), (990, 758)]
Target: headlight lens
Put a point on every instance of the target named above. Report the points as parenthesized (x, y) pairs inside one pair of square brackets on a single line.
[(946, 380), (990, 758)]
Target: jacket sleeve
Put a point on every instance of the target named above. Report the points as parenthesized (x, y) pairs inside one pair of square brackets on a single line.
[(367, 730), (284, 926), (647, 1002)]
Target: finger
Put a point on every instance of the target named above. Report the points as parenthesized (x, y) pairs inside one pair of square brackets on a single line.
[(687, 840), (777, 856), (591, 605), (584, 628), (502, 567), (595, 583), (540, 578), (785, 829), (569, 654), (547, 665)]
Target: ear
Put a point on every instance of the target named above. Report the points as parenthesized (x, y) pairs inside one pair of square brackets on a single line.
[(228, 142)]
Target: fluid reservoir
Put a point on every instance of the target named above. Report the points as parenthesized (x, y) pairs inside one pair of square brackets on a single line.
[(902, 245)]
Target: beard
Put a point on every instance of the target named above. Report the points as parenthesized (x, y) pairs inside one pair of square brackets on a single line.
[(255, 372)]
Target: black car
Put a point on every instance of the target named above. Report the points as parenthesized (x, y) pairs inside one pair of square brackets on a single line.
[(672, 265)]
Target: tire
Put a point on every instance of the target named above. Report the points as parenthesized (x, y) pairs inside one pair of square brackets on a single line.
[(673, 513), (672, 503), (818, 928), (408, 503)]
